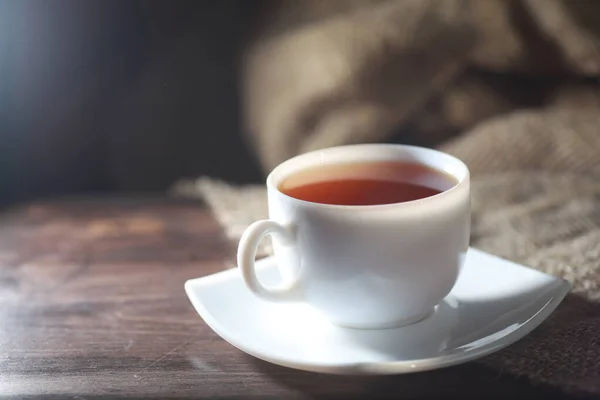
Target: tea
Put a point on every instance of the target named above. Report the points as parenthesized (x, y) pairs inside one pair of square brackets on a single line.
[(366, 183)]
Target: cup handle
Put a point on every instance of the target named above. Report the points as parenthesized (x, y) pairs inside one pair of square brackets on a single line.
[(246, 257)]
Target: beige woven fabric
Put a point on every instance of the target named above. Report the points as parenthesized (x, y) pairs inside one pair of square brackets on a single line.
[(536, 200), (323, 73)]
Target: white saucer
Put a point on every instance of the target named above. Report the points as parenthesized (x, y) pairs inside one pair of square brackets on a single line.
[(494, 304)]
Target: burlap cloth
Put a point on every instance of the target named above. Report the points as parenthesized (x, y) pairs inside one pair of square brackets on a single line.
[(536, 200), (324, 73)]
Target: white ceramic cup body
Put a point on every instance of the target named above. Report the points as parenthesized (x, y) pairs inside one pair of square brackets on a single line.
[(364, 266)]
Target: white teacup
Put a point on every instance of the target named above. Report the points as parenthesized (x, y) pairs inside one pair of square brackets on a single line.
[(372, 266)]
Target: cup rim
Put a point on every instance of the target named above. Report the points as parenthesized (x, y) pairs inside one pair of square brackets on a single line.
[(461, 180)]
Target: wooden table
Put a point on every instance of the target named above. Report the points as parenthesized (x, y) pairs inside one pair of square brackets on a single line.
[(92, 305)]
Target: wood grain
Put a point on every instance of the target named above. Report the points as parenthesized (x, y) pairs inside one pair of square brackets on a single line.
[(92, 305)]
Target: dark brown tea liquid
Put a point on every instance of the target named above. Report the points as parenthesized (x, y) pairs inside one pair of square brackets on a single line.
[(366, 183)]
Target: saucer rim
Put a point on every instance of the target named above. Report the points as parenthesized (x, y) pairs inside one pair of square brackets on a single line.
[(563, 287)]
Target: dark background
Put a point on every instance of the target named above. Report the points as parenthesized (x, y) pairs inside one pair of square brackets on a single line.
[(113, 96)]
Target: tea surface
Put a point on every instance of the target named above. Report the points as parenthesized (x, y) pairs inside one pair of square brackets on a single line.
[(363, 184)]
